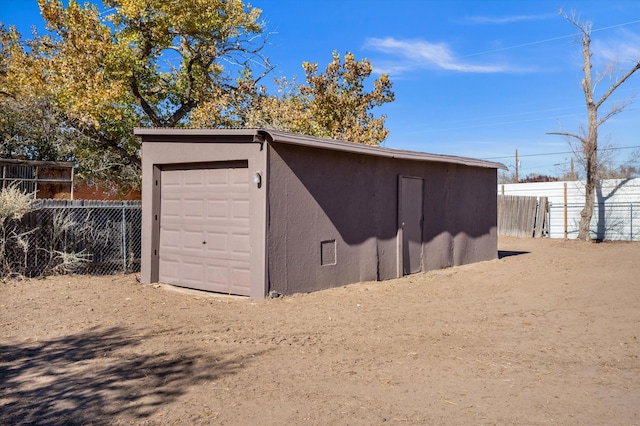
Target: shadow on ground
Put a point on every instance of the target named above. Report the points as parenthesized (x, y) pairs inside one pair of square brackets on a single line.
[(90, 377), (506, 253)]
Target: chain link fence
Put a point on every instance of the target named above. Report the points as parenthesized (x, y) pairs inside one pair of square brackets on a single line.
[(610, 221), (84, 237)]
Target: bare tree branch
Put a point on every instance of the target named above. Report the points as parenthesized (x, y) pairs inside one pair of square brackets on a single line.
[(617, 84), (569, 135), (105, 142), (179, 114), (144, 105), (615, 110), (7, 94)]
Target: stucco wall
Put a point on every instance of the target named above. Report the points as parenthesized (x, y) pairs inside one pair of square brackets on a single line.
[(318, 195)]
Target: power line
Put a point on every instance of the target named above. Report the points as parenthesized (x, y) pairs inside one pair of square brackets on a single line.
[(532, 43), (615, 26), (502, 49), (487, 120), (560, 153), (529, 155)]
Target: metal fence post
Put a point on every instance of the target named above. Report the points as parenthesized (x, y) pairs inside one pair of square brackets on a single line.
[(124, 240), (566, 230), (549, 221)]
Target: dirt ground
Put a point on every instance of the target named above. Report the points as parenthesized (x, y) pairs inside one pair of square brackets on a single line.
[(547, 334)]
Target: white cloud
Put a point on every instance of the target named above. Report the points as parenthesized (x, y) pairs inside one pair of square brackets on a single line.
[(416, 54), (508, 19), (622, 49)]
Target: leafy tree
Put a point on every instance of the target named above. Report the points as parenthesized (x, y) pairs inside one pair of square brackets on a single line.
[(78, 91), (29, 125), (30, 131), (332, 104), (140, 63), (588, 139)]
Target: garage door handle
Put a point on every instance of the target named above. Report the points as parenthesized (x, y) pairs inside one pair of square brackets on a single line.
[(204, 242)]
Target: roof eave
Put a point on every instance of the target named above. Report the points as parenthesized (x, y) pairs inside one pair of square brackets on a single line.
[(338, 145), (260, 135)]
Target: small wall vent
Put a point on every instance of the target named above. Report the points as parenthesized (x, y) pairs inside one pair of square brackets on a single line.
[(328, 252)]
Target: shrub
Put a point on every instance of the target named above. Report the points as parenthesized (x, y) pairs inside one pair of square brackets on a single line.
[(14, 204)]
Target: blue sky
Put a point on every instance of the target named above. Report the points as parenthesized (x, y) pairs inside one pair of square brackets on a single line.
[(477, 78)]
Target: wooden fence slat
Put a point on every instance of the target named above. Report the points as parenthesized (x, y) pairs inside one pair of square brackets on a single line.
[(541, 217), (520, 216)]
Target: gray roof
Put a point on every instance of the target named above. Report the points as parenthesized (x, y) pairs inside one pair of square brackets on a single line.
[(262, 135)]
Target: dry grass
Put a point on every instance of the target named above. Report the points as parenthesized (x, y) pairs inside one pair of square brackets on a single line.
[(14, 204)]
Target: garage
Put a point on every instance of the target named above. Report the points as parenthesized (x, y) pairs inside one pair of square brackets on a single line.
[(205, 228), (261, 213)]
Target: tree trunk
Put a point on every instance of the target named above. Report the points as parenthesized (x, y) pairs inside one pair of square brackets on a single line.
[(584, 232), (591, 155), (590, 145)]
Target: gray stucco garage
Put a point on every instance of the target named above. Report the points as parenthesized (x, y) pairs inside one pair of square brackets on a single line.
[(259, 212)]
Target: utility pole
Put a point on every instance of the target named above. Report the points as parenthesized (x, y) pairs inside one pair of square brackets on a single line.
[(517, 165), (573, 176)]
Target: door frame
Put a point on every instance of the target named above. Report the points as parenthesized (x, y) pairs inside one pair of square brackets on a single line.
[(178, 153), (400, 225)]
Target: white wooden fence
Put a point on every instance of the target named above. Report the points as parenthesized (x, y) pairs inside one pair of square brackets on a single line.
[(616, 214)]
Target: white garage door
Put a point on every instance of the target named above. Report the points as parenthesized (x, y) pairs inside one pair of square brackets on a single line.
[(204, 228)]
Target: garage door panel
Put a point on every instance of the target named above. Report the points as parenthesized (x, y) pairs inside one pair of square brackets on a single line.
[(226, 259), (240, 244), (171, 239), (217, 177), (192, 240), (180, 254), (171, 209), (170, 180), (191, 270), (240, 209), (239, 177), (204, 229), (217, 242), (169, 268), (225, 256), (193, 208), (217, 209), (241, 276), (194, 178), (218, 275)]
